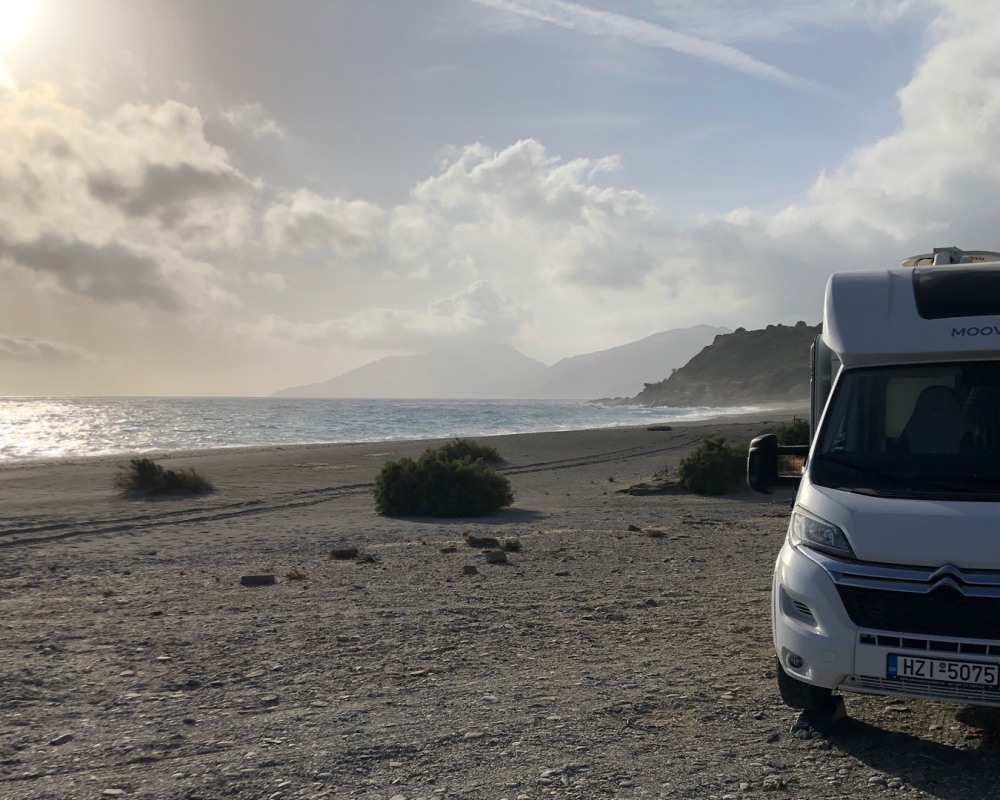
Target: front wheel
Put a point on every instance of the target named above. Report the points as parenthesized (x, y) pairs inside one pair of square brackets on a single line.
[(799, 695)]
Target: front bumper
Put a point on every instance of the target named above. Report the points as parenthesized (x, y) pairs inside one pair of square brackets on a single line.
[(810, 621)]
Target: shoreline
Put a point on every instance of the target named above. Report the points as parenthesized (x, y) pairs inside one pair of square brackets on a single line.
[(781, 411), (73, 488)]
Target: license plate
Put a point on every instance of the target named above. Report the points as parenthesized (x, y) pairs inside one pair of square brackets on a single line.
[(943, 670)]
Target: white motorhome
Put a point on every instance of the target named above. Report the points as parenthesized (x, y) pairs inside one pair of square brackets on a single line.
[(888, 581)]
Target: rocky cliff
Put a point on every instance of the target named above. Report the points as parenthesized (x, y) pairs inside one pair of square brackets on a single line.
[(741, 368)]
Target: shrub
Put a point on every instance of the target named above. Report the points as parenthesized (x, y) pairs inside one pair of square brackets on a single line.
[(511, 545), (713, 467), (450, 481), (466, 448), (296, 574), (145, 476), (795, 432)]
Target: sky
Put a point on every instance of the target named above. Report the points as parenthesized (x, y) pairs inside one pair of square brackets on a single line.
[(229, 197)]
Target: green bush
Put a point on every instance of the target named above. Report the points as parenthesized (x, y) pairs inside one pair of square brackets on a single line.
[(795, 432), (145, 476), (467, 448), (450, 481), (714, 467)]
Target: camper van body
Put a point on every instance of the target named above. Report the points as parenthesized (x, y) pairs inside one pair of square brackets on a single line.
[(888, 581)]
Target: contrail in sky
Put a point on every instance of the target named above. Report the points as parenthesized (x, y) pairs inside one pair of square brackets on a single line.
[(593, 22)]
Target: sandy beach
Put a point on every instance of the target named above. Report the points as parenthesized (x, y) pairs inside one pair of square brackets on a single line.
[(623, 652)]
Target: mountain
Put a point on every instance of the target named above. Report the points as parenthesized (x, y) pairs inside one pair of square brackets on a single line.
[(622, 371), (481, 370), (496, 371), (741, 368)]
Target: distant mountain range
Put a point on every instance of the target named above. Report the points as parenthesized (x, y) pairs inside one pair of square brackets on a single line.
[(478, 370)]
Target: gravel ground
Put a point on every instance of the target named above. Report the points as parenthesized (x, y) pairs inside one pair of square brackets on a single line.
[(624, 651)]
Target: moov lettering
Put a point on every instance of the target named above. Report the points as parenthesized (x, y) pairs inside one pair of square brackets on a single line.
[(985, 330)]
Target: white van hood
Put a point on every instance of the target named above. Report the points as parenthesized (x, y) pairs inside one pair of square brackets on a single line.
[(925, 533)]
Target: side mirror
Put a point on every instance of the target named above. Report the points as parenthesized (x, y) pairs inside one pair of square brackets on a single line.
[(762, 464)]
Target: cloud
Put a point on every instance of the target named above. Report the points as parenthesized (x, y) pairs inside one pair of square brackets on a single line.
[(253, 119), (595, 22), (138, 175), (134, 209), (272, 281), (28, 348), (732, 20), (525, 214), (109, 273), (305, 222), (164, 192), (477, 311)]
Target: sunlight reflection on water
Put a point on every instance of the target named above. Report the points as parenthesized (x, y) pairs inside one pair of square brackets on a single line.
[(34, 428)]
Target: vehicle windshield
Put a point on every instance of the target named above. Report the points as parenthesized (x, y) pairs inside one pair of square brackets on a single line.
[(913, 430)]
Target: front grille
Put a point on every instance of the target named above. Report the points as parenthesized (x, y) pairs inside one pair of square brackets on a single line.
[(917, 687), (929, 645), (942, 612)]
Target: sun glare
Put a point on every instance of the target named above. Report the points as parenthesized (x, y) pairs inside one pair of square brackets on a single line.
[(16, 17)]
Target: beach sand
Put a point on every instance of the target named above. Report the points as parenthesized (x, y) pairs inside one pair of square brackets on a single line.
[(624, 651)]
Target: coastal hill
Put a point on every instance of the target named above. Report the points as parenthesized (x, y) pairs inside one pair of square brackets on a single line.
[(485, 370), (481, 370), (740, 368)]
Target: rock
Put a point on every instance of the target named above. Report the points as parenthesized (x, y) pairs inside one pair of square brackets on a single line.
[(468, 569), (257, 580), (633, 528), (61, 739), (496, 557)]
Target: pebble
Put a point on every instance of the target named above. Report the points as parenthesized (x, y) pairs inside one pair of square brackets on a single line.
[(61, 739)]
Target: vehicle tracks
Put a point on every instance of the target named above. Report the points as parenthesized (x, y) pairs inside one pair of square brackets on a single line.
[(17, 532)]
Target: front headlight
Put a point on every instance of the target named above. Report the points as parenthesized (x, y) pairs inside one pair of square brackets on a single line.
[(819, 534)]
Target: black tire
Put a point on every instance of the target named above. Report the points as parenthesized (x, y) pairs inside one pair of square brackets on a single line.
[(802, 696)]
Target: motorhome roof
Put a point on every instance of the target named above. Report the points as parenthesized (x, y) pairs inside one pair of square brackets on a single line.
[(951, 255), (929, 313)]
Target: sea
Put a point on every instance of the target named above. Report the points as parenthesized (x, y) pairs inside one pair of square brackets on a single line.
[(33, 428)]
